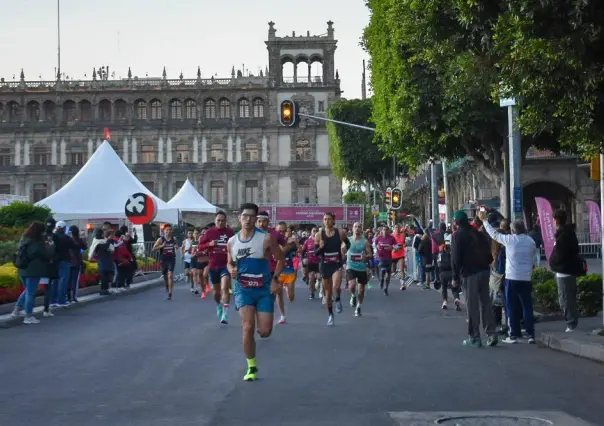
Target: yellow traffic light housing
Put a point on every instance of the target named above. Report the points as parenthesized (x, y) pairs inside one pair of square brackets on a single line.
[(388, 198), (397, 198), (288, 114), (594, 168)]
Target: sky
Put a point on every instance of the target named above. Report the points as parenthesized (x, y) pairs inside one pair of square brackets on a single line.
[(147, 35)]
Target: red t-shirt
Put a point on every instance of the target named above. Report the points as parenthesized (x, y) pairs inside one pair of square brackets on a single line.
[(280, 238), (218, 253), (384, 246), (309, 248)]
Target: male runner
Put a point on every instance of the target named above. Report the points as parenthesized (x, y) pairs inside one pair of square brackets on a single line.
[(288, 277), (398, 254), (255, 286), (200, 263), (312, 262), (329, 241), (215, 241), (166, 245), (187, 250), (262, 222), (385, 243), (356, 272)]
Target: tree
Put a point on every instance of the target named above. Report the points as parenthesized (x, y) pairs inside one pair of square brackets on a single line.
[(22, 214), (434, 76), (355, 197), (353, 153)]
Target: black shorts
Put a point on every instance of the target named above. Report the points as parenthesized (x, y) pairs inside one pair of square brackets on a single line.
[(187, 265), (202, 265), (386, 265), (359, 276), (193, 263), (328, 269), (313, 267), (167, 265)]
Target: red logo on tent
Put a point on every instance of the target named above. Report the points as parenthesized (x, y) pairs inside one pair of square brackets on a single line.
[(141, 208)]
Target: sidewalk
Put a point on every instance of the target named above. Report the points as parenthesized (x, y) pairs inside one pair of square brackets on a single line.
[(86, 297)]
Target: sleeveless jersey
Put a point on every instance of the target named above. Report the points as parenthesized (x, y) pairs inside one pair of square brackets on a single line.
[(169, 250), (332, 251), (289, 263), (354, 257), (253, 266)]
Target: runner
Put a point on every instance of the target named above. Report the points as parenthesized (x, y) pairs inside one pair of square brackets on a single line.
[(187, 250), (312, 263), (398, 254), (215, 241), (166, 245), (385, 243), (357, 255), (201, 264), (255, 285), (288, 277), (262, 222), (329, 241)]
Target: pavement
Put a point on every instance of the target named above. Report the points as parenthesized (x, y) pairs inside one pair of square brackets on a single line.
[(142, 360)]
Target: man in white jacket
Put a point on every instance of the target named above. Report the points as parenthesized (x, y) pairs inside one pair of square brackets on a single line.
[(520, 256)]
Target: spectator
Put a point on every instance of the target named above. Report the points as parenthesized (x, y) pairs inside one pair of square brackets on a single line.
[(76, 263), (446, 276), (471, 261), (101, 249), (520, 256), (567, 265), (535, 234), (63, 245)]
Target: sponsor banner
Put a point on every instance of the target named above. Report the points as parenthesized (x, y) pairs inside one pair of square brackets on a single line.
[(312, 214), (595, 227), (548, 227)]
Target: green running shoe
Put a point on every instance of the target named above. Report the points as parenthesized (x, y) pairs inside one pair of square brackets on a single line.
[(250, 376)]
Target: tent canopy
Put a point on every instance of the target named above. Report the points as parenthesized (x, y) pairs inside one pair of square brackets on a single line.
[(100, 190), (187, 199)]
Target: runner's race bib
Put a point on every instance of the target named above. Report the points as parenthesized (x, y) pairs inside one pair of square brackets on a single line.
[(331, 258), (356, 257), (251, 281)]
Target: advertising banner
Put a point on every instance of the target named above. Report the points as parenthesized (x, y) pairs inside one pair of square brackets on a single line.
[(312, 214), (595, 227), (548, 227)]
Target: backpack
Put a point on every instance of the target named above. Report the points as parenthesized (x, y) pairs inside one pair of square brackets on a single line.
[(444, 261), (20, 258)]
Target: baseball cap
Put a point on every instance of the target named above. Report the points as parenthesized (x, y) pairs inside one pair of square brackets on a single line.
[(61, 224), (460, 216)]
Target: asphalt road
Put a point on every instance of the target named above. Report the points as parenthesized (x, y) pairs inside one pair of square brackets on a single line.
[(142, 360)]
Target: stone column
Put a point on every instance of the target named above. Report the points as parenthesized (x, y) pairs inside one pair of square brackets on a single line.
[(134, 151), (230, 149), (264, 149), (63, 152), (204, 150), (169, 150), (17, 157), (160, 150), (53, 153), (90, 148), (238, 149), (195, 150), (125, 151)]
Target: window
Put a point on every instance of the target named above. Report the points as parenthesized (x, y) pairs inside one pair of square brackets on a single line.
[(182, 153), (176, 109), (155, 109), (105, 110), (148, 154), (85, 111), (150, 186), (14, 112), (140, 110), (225, 108), (251, 191), (42, 157), (217, 192), (303, 152), (258, 108), (190, 109), (217, 152), (33, 111), (40, 191), (252, 153), (50, 112), (77, 156), (121, 109), (210, 108), (321, 107), (69, 112), (5, 189), (244, 108), (5, 157), (304, 192)]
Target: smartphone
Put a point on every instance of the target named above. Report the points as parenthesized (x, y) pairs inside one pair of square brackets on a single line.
[(482, 209)]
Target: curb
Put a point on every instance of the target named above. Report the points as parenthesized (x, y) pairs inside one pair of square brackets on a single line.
[(135, 289), (584, 349)]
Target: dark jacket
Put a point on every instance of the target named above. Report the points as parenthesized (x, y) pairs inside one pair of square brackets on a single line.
[(470, 252), (105, 255), (39, 256), (76, 252), (565, 255), (425, 251), (63, 246)]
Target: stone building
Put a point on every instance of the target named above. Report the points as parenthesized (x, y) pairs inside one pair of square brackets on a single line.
[(221, 133)]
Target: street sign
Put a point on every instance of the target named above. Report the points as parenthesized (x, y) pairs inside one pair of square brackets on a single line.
[(141, 208), (517, 200), (383, 216), (375, 208)]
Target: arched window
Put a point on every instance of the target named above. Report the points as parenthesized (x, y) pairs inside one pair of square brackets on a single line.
[(225, 108), (210, 108), (140, 109), (50, 111), (33, 111), (303, 150), (190, 109), (121, 109), (14, 112), (69, 112), (244, 108), (105, 110), (85, 111), (155, 109), (175, 109), (258, 108)]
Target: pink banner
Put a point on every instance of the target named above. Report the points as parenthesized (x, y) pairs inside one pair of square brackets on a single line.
[(313, 214), (548, 227), (595, 224)]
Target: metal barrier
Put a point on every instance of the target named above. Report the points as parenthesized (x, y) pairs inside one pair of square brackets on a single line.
[(148, 260)]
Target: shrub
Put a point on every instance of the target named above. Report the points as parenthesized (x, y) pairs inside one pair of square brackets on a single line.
[(11, 234), (9, 277), (545, 294), (7, 251), (21, 214), (541, 275), (589, 295)]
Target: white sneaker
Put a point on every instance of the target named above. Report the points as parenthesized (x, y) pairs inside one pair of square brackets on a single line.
[(330, 321), (444, 306), (17, 313), (509, 340), (31, 320), (569, 329), (48, 314)]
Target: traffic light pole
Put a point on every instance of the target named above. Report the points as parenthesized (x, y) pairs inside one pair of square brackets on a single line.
[(358, 126)]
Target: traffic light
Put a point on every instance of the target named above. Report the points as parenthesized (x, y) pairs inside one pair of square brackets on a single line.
[(288, 113), (397, 198), (392, 216), (594, 168), (388, 198)]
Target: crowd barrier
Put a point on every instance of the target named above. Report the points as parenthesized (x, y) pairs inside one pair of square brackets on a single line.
[(148, 260)]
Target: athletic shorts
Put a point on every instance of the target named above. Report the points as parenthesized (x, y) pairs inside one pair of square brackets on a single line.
[(202, 265), (313, 267), (217, 274), (359, 276), (262, 300), (193, 263), (187, 265), (287, 279), (328, 269), (396, 259), (386, 265), (167, 265)]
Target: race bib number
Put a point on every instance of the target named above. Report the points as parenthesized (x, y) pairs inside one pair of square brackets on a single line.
[(356, 257), (331, 258), (251, 281)]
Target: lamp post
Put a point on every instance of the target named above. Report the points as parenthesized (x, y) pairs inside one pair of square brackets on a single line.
[(514, 157)]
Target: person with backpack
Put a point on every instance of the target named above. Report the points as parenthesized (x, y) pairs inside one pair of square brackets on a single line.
[(446, 277), (32, 260)]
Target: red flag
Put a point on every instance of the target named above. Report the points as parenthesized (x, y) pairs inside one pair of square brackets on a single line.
[(107, 134)]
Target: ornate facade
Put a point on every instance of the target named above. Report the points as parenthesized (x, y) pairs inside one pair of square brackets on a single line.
[(221, 133)]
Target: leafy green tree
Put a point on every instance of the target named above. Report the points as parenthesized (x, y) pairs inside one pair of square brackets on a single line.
[(353, 153), (355, 197), (22, 214), (433, 77)]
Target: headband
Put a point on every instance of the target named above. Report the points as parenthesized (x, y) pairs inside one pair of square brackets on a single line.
[(262, 217)]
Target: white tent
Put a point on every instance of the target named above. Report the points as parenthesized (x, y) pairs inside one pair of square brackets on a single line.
[(100, 190), (187, 199)]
